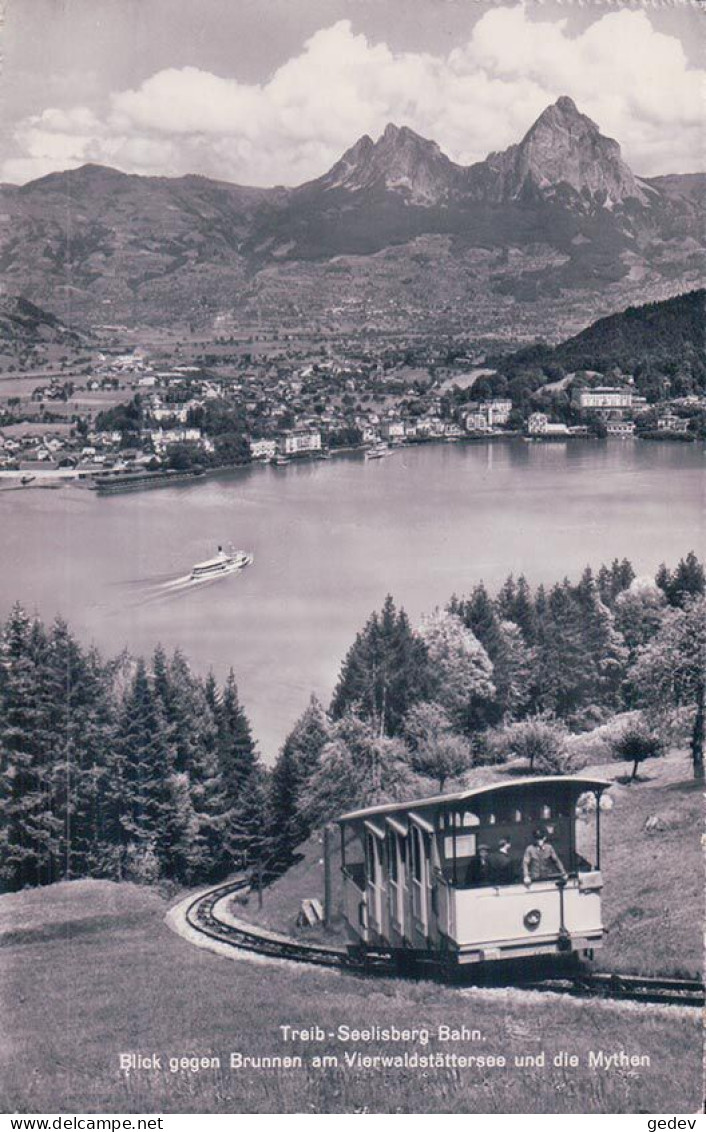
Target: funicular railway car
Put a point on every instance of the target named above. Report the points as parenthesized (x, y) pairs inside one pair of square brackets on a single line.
[(497, 872)]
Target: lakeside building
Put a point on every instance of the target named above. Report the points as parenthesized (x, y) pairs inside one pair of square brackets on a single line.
[(476, 422), (368, 433), (429, 427), (483, 416), (297, 441), (392, 430), (263, 449), (621, 429), (162, 437), (105, 438), (604, 398), (671, 423), (496, 410), (538, 424)]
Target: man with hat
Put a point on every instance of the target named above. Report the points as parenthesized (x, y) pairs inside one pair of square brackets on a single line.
[(540, 861)]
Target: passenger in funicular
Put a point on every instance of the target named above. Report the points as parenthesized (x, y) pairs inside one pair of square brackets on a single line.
[(540, 861), (492, 866), (502, 867), (479, 868)]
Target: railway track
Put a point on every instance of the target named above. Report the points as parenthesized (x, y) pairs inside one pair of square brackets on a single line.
[(201, 917)]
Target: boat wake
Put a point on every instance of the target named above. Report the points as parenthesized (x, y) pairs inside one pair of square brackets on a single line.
[(173, 589)]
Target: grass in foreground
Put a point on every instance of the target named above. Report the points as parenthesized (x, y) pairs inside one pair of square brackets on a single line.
[(71, 1005)]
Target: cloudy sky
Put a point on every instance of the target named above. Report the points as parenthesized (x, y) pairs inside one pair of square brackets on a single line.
[(269, 92)]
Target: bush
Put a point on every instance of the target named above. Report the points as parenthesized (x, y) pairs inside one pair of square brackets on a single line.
[(541, 741), (141, 864), (588, 718), (637, 743), (490, 748), (592, 748)]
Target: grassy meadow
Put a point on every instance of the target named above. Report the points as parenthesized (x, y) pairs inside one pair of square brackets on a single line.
[(89, 970), (115, 979)]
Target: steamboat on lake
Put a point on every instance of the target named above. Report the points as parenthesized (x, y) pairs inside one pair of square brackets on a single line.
[(224, 562)]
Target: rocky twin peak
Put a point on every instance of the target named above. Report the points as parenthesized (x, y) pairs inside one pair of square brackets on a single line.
[(399, 161), (563, 148), (562, 198)]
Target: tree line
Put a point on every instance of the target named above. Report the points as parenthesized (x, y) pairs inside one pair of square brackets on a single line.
[(142, 770), (120, 769), (493, 677)]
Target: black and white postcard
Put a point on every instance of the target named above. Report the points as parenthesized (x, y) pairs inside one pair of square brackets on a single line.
[(352, 556)]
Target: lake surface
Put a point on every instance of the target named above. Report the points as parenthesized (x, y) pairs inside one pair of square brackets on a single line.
[(330, 540)]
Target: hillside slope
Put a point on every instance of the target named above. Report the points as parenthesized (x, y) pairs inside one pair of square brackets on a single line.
[(669, 333)]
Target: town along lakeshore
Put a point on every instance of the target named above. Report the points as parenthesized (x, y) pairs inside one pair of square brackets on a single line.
[(329, 540)]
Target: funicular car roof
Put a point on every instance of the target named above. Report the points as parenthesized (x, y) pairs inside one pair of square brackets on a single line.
[(573, 784)]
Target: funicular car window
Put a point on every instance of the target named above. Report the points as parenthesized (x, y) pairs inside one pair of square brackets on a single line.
[(372, 859), (392, 856), (417, 853), (465, 846)]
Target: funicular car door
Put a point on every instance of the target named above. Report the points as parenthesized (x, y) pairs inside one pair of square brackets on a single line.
[(421, 878), (374, 839), (398, 887)]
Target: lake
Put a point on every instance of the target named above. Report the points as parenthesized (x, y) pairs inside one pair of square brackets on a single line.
[(330, 540)]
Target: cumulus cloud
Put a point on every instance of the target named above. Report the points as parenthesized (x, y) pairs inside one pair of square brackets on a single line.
[(630, 78)]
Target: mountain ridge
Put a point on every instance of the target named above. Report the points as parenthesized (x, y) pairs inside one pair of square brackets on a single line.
[(557, 214)]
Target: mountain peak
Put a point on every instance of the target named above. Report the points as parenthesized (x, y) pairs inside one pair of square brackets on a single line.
[(391, 132), (400, 161), (566, 104), (564, 114), (90, 174), (565, 148)]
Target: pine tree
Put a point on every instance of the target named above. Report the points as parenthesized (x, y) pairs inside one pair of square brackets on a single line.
[(297, 762), (181, 846), (208, 795), (211, 693), (512, 671), (236, 747), (384, 672), (506, 598), (27, 825), (285, 823), (605, 652), (561, 657), (479, 615), (524, 613), (243, 781), (79, 719), (686, 582), (247, 835), (614, 580), (139, 791)]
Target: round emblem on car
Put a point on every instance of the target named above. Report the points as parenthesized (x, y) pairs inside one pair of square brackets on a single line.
[(532, 919)]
